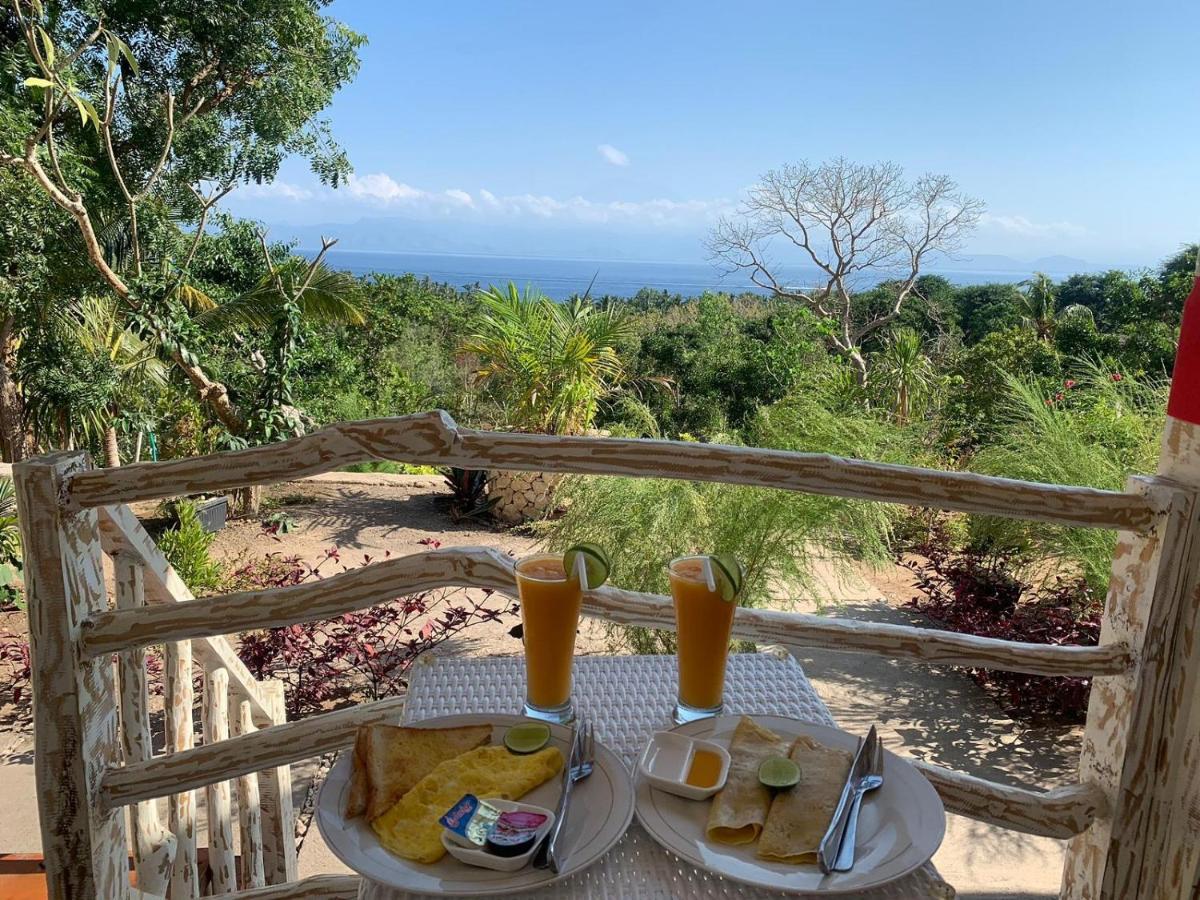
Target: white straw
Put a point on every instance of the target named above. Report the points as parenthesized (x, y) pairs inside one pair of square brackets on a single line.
[(581, 570), (709, 579)]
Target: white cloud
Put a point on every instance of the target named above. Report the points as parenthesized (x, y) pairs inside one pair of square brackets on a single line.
[(379, 186), (281, 189), (613, 155), (379, 190), (1024, 227)]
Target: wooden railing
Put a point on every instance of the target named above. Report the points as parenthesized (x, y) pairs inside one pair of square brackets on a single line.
[(70, 514)]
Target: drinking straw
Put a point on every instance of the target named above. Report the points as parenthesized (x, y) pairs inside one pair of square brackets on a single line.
[(581, 571), (710, 580)]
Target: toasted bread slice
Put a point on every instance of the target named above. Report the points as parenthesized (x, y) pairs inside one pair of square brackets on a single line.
[(356, 803), (396, 758)]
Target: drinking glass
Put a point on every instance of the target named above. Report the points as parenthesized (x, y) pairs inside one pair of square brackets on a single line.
[(703, 623), (550, 605)]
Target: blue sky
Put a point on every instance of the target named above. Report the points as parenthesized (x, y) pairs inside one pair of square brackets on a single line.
[(1077, 123)]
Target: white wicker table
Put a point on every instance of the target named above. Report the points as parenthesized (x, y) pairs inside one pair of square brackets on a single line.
[(628, 698)]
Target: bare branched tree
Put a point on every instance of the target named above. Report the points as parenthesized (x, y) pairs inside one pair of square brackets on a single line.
[(852, 222)]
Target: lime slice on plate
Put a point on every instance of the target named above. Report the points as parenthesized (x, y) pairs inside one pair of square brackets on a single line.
[(778, 772), (729, 574), (527, 737), (595, 563)]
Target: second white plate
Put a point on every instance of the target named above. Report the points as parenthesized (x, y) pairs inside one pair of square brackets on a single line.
[(900, 827)]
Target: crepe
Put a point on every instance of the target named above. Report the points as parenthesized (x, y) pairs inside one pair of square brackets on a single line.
[(410, 829), (740, 808), (389, 760), (799, 817)]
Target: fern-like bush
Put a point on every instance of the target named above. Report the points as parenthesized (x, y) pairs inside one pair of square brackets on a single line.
[(643, 523)]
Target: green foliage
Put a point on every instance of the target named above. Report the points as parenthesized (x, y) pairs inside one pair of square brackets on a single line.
[(1094, 432), (903, 374), (777, 535), (550, 364), (186, 547), (10, 546)]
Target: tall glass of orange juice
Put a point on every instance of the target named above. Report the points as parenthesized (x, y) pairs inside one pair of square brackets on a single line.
[(703, 622), (550, 603)]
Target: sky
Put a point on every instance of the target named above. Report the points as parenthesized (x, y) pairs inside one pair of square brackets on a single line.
[(639, 123)]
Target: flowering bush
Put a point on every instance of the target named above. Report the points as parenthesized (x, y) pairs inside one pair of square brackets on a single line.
[(15, 671), (978, 591), (367, 653)]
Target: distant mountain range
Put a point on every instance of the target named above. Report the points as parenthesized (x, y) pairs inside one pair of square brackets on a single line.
[(540, 240)]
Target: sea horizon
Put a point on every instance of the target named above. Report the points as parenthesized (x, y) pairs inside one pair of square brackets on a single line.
[(562, 277)]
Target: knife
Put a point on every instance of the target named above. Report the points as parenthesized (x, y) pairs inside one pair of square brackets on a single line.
[(541, 859), (832, 841)]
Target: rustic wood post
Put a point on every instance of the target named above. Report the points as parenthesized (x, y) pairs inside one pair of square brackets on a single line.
[(220, 819), (181, 735), (74, 700), (252, 870), (153, 845), (278, 817), (1143, 734)]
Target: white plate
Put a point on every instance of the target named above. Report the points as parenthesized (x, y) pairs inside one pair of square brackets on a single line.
[(600, 811), (900, 827)]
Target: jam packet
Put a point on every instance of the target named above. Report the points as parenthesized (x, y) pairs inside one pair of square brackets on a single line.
[(470, 820), (514, 833)]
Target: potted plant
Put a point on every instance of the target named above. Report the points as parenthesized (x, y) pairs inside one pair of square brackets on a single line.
[(550, 365)]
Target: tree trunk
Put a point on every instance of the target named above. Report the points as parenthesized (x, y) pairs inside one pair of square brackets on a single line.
[(112, 449), (249, 500), (15, 441)]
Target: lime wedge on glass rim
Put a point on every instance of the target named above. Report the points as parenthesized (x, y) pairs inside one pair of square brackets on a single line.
[(595, 563), (729, 575), (527, 737), (778, 772)]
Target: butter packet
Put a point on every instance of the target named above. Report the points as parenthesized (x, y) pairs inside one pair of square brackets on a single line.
[(469, 821)]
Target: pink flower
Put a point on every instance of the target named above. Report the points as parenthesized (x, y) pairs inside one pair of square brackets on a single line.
[(1116, 376), (1069, 383)]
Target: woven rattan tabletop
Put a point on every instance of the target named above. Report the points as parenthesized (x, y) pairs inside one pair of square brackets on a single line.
[(628, 698)]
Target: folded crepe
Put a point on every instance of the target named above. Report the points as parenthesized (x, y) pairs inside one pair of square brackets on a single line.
[(389, 760), (740, 808), (799, 817)]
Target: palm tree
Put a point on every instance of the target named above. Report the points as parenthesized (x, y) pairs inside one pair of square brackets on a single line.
[(1039, 306), (903, 370), (551, 364)]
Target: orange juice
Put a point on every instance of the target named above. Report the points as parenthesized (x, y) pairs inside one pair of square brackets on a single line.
[(550, 604), (704, 770), (703, 622)]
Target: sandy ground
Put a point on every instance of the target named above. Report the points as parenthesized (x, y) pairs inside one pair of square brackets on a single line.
[(924, 712)]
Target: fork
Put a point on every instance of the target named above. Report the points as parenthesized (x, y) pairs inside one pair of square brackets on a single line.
[(868, 782)]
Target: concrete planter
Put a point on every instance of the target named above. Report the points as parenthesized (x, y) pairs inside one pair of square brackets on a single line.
[(522, 496)]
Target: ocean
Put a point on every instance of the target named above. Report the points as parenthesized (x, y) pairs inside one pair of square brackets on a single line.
[(560, 278)]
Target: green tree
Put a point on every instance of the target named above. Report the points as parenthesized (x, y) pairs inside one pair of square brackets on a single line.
[(551, 364), (904, 373), (123, 111), (986, 308)]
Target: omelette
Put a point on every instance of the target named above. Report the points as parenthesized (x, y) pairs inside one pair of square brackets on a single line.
[(740, 808), (410, 828), (800, 816)]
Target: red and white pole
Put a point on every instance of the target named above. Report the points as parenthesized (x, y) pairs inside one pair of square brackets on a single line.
[(1180, 458)]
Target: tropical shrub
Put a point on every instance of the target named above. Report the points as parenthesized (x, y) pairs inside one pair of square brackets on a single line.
[(186, 547), (365, 654), (643, 523), (549, 364), (976, 591), (1093, 431), (10, 547)]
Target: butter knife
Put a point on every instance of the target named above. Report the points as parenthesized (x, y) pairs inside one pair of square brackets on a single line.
[(827, 851), (541, 859)]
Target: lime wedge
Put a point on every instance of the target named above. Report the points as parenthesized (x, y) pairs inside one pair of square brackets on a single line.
[(595, 563), (527, 737), (778, 772), (730, 575)]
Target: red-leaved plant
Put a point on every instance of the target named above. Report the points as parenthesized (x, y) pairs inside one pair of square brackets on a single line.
[(979, 591), (366, 653), (15, 669)]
